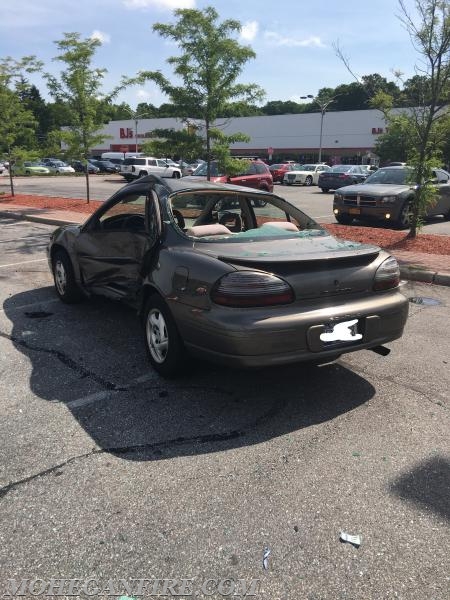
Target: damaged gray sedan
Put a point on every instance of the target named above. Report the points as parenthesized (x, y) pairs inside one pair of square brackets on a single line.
[(239, 277)]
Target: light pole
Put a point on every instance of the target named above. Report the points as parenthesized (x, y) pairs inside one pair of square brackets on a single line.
[(136, 116), (323, 105)]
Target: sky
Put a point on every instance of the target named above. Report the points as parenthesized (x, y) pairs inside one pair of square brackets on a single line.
[(294, 40)]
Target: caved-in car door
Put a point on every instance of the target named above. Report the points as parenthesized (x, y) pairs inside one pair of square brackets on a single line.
[(113, 246)]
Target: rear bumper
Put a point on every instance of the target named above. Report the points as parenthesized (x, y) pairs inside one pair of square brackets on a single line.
[(255, 338)]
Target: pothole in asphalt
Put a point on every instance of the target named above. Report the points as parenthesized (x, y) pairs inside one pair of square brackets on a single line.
[(425, 301)]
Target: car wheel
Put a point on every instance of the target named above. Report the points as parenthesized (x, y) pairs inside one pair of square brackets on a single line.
[(325, 190), (63, 275), (308, 180), (27, 173), (164, 345), (175, 175), (344, 219), (404, 218), (142, 174)]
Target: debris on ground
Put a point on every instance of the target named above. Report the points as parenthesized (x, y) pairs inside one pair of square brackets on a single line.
[(266, 558), (355, 540)]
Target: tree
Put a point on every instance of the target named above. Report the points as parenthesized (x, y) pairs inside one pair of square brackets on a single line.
[(428, 120), (208, 66), (79, 89), (425, 125), (182, 143), (17, 123)]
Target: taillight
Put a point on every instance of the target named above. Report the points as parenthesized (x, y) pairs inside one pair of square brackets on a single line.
[(387, 275), (251, 289)]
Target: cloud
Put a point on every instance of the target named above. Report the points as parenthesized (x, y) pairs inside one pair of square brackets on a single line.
[(160, 4), (249, 30), (103, 37), (278, 40), (143, 95)]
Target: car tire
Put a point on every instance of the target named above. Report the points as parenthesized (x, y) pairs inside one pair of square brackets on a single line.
[(325, 190), (344, 219), (175, 175), (64, 278), (163, 342), (142, 174), (308, 181), (404, 218)]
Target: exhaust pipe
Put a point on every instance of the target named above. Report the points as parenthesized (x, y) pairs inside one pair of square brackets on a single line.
[(381, 350)]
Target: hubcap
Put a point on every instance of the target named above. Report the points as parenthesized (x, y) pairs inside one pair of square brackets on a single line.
[(60, 277), (157, 336)]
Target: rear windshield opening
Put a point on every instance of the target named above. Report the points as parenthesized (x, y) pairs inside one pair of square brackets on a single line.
[(233, 217)]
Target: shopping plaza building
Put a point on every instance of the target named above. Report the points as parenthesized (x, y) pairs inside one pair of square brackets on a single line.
[(343, 137)]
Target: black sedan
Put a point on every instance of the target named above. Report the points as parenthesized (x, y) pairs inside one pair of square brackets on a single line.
[(260, 284), (341, 175), (105, 166), (80, 167), (387, 196)]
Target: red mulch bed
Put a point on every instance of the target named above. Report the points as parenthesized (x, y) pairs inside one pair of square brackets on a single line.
[(391, 239), (386, 238), (72, 204)]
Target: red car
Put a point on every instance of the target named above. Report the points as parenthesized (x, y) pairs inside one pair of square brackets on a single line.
[(278, 170), (257, 175)]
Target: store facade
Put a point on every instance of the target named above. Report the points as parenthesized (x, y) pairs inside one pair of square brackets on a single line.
[(347, 136)]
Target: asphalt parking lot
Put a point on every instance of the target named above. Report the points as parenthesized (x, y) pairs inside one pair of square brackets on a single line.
[(109, 471)]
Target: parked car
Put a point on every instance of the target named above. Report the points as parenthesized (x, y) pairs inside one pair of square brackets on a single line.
[(306, 175), (44, 161), (80, 167), (256, 175), (386, 196), (249, 287), (58, 167), (279, 169), (30, 168), (105, 166), (341, 175), (141, 166)]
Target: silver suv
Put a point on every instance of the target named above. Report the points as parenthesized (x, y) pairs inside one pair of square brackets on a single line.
[(140, 166)]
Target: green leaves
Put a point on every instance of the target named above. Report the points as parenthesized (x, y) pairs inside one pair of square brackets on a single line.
[(208, 65)]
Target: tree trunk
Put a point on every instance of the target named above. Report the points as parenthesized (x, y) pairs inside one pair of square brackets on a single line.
[(87, 184), (208, 151)]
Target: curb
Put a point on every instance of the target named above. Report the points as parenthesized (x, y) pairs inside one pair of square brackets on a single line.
[(424, 275), (410, 273), (37, 219)]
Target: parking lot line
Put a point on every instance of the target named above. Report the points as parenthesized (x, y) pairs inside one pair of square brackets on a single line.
[(102, 395), (25, 262)]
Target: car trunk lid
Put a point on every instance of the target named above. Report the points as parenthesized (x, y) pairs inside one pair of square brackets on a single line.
[(314, 266)]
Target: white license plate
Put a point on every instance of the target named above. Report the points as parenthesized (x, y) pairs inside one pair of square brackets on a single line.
[(346, 331)]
